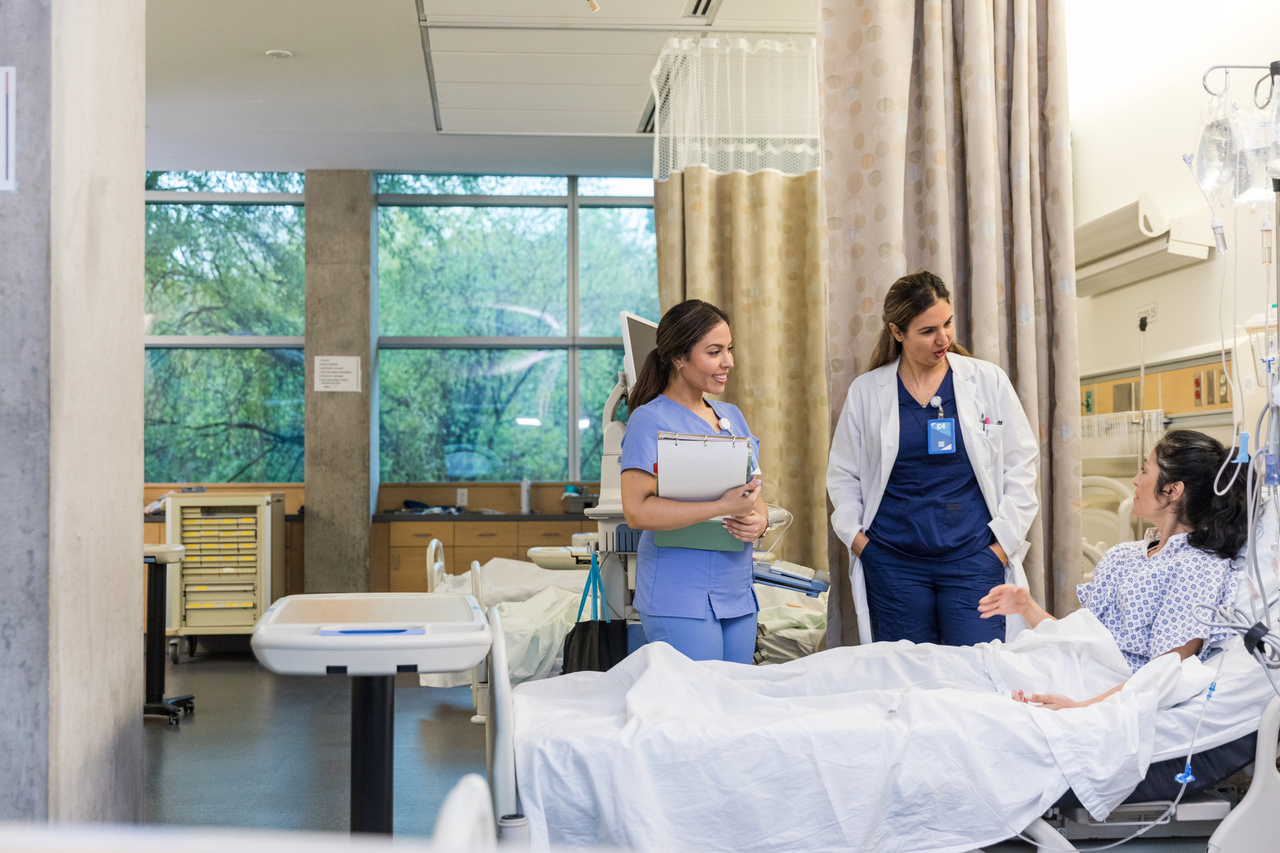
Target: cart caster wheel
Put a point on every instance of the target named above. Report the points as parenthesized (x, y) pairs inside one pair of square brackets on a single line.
[(173, 719), (189, 708), (173, 651), (191, 646)]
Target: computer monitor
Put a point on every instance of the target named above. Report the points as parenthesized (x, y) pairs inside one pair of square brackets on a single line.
[(639, 338)]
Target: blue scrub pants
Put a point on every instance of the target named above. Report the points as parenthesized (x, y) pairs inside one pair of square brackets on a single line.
[(708, 638), (927, 601)]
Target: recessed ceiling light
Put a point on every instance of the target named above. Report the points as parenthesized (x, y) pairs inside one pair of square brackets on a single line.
[(280, 54)]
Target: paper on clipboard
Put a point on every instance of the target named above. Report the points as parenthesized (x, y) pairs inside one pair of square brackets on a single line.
[(700, 467)]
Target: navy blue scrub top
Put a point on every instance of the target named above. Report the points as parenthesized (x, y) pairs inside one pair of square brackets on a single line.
[(932, 506)]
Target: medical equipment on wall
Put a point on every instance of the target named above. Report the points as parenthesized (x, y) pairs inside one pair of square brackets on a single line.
[(618, 541)]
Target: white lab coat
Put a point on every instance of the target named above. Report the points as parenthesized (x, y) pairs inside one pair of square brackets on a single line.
[(1003, 457)]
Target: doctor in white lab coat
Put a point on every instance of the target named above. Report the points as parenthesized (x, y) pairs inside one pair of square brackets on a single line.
[(932, 474)]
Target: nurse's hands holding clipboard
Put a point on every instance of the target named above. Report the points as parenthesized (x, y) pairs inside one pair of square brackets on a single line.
[(741, 506)]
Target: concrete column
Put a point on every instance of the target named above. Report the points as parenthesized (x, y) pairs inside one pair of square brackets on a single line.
[(71, 371), (341, 315)]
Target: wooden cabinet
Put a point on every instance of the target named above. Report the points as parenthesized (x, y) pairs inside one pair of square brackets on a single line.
[(534, 534), (486, 534), (409, 570), (402, 565), (416, 534)]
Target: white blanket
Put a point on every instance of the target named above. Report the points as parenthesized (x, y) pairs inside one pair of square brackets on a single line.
[(886, 747)]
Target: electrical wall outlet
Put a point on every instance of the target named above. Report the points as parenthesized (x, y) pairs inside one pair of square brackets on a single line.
[(462, 498), (1224, 387), (1148, 311), (1198, 383)]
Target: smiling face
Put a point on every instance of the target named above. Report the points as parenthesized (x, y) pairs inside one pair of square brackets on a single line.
[(928, 336), (706, 368)]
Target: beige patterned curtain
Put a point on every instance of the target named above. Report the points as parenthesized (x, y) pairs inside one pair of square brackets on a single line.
[(947, 146), (740, 223)]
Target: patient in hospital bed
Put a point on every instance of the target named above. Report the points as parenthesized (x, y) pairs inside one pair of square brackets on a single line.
[(1144, 592), (895, 746)]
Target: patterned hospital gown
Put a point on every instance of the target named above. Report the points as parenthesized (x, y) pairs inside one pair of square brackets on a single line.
[(1147, 602)]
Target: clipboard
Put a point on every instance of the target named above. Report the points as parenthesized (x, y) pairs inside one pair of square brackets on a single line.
[(700, 468)]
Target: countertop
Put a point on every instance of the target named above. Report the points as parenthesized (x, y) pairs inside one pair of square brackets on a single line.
[(383, 517), (478, 516)]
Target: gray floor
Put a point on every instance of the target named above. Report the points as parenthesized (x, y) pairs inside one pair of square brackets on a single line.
[(266, 751)]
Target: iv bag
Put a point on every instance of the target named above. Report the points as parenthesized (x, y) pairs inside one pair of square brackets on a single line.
[(1216, 151), (1254, 138), (1273, 161)]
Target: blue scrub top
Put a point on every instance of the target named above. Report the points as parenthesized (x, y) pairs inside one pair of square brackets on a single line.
[(685, 581), (932, 506)]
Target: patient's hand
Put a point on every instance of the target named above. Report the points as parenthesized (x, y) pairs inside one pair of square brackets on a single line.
[(1011, 600), (1004, 600), (1052, 701)]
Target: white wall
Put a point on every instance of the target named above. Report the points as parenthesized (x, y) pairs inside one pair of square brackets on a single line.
[(1134, 69), (1135, 73)]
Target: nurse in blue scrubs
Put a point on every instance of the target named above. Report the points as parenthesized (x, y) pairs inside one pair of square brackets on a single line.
[(701, 602)]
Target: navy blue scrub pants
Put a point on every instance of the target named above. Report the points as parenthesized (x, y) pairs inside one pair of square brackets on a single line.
[(927, 601)]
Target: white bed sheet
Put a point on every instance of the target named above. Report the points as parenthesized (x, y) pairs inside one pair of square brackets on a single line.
[(887, 747)]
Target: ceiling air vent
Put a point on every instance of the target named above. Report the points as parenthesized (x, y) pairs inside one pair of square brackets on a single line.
[(702, 10)]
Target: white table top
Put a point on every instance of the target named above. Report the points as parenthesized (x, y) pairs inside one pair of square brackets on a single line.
[(165, 553), (371, 634)]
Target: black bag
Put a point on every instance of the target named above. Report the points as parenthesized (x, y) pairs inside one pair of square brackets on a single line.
[(597, 645)]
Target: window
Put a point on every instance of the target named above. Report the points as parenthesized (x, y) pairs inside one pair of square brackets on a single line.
[(498, 319), (224, 319)]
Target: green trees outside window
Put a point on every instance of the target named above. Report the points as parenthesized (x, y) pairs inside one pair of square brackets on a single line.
[(224, 416), (472, 271), (219, 279), (462, 396), (490, 328)]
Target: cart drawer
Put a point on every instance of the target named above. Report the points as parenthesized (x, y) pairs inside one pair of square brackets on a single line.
[(220, 617), (228, 594), (219, 574)]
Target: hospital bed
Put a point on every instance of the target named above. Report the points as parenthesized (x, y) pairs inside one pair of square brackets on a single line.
[(538, 602), (541, 606), (1242, 693), (1106, 511)]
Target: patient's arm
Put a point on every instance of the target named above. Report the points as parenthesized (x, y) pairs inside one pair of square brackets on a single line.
[(1010, 600), (1055, 702)]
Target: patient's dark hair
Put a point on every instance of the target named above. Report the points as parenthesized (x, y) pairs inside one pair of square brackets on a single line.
[(679, 331), (1219, 523)]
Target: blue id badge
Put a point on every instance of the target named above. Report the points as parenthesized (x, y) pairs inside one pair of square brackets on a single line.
[(942, 436)]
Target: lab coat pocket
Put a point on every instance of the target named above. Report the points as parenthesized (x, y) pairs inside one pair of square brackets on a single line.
[(990, 443), (992, 433)]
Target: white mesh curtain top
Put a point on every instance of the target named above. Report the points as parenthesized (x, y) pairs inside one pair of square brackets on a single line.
[(735, 104)]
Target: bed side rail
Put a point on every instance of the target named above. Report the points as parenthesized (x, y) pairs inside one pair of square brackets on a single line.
[(499, 734), (1254, 825)]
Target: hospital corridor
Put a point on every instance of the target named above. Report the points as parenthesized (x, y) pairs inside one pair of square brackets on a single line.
[(754, 426)]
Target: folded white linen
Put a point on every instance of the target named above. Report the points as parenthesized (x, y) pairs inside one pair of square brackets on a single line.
[(886, 747)]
